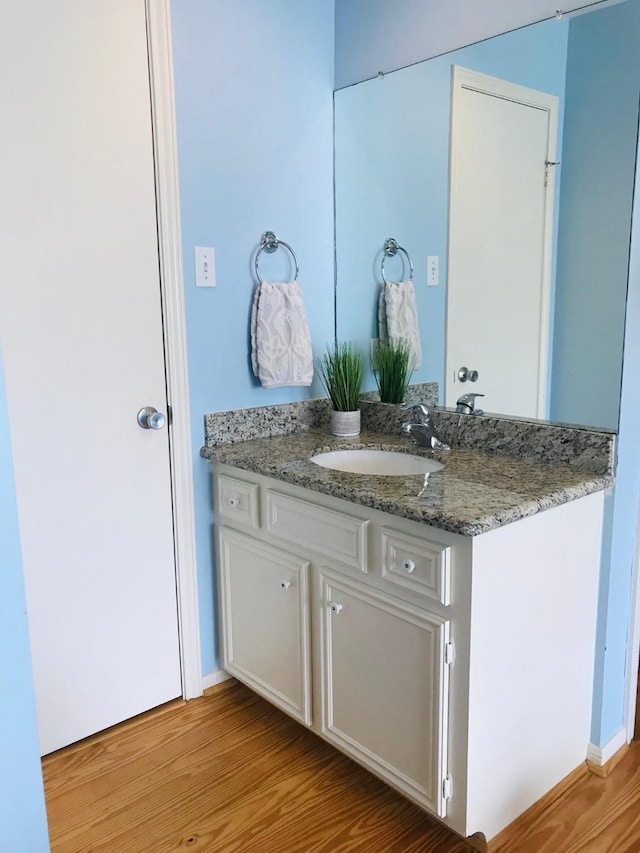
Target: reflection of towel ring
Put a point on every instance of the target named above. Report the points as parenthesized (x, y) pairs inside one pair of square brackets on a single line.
[(390, 250), (269, 243)]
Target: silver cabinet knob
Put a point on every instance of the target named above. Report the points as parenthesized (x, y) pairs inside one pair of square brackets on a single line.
[(285, 584), (335, 608), (234, 502), (465, 374), (408, 566), (150, 418)]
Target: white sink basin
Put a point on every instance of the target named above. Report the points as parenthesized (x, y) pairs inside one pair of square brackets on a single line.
[(385, 462)]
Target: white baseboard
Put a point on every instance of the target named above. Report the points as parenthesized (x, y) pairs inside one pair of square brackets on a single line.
[(213, 678), (599, 755)]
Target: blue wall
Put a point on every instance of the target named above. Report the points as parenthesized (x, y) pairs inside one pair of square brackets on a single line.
[(391, 35), (379, 35), (254, 84), (392, 175), (598, 157), (23, 823), (601, 123)]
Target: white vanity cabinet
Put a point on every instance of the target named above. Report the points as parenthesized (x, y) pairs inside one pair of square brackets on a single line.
[(458, 669)]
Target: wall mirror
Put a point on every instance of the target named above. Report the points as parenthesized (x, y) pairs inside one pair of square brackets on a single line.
[(409, 167)]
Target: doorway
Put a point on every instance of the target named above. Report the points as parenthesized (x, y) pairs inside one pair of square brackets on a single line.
[(500, 242), (81, 319)]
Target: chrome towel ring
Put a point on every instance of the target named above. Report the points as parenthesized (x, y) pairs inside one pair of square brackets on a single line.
[(270, 243), (390, 250)]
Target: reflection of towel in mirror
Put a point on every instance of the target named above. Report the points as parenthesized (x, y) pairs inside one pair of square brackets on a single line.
[(398, 317), (280, 342)]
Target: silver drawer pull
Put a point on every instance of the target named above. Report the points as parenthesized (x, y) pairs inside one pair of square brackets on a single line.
[(408, 566), (285, 584), (335, 608), (234, 502)]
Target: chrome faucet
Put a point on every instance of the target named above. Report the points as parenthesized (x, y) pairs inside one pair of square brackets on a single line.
[(422, 428), (466, 404)]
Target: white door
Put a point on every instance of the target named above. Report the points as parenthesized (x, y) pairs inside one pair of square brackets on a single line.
[(81, 328), (503, 139)]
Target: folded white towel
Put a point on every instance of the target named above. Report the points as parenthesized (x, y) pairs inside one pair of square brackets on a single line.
[(281, 351), (398, 317)]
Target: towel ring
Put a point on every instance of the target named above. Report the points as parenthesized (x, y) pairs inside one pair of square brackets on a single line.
[(390, 250), (269, 243)]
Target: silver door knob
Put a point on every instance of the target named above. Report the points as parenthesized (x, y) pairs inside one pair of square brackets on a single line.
[(464, 373), (150, 418)]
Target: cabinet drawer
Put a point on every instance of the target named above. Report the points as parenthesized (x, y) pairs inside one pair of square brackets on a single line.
[(415, 564), (238, 501), (334, 534)]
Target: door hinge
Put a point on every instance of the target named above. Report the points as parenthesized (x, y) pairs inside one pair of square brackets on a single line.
[(447, 787), (449, 653)]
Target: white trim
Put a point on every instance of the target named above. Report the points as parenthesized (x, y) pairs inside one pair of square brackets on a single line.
[(599, 755), (213, 678), (633, 645), (168, 204), (464, 78)]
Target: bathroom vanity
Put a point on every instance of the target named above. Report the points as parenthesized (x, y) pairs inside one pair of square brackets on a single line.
[(438, 630)]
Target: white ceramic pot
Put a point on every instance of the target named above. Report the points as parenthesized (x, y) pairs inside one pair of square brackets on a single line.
[(345, 424)]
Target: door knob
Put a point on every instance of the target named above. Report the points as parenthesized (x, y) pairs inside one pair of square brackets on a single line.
[(150, 418), (464, 373)]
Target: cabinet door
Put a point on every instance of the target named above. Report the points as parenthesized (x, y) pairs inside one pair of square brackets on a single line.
[(265, 620), (385, 686)]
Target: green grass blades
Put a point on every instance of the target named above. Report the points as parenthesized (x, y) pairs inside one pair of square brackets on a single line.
[(341, 370), (393, 369)]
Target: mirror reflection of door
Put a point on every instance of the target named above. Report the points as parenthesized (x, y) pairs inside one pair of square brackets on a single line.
[(503, 144)]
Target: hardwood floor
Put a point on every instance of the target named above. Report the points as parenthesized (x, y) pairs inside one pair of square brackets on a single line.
[(230, 773)]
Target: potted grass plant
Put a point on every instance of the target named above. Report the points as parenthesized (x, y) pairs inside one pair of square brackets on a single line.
[(341, 371), (393, 369)]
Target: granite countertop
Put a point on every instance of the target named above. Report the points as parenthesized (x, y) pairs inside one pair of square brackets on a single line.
[(474, 493)]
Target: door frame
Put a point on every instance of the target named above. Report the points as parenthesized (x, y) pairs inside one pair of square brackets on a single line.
[(165, 151), (465, 78)]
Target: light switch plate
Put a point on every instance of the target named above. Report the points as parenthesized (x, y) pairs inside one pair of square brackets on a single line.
[(205, 258)]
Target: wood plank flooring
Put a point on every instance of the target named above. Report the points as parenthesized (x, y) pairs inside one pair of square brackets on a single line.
[(228, 773)]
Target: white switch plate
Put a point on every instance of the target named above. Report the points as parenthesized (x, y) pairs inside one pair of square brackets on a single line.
[(433, 270), (205, 266)]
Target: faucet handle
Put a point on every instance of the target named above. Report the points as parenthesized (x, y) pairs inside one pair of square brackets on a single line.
[(421, 411), (466, 404)]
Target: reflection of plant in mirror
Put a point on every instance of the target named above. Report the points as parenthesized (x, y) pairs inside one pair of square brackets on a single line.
[(393, 368), (341, 370)]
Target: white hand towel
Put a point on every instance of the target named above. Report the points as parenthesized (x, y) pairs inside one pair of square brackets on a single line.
[(398, 317), (280, 342)]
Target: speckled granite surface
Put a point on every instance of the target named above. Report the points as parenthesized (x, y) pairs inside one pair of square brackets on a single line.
[(421, 392), (264, 421), (474, 493), (581, 447), (553, 444), (589, 449)]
